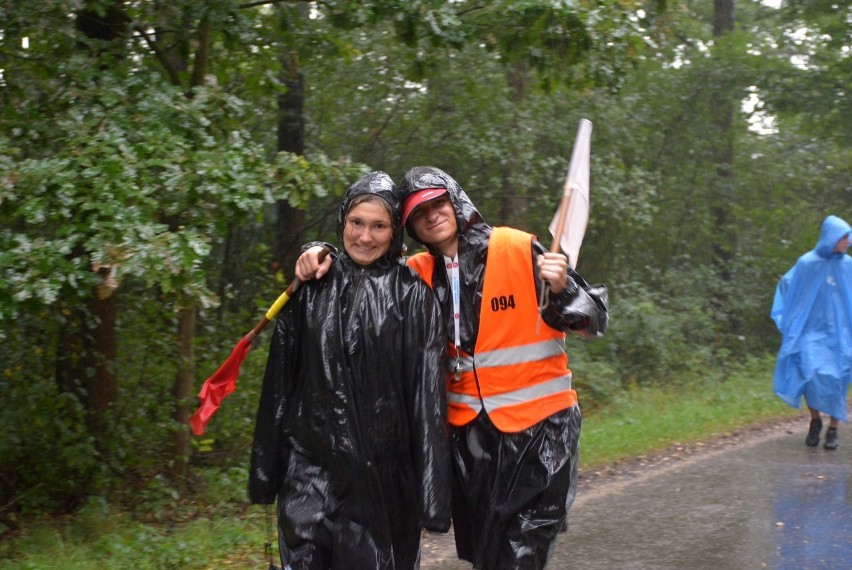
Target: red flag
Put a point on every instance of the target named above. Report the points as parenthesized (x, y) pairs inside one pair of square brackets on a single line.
[(224, 380), (218, 386)]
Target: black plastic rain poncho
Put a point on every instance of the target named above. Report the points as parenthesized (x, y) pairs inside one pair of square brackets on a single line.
[(511, 491), (351, 427)]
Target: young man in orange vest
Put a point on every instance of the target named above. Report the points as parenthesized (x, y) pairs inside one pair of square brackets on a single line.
[(514, 418)]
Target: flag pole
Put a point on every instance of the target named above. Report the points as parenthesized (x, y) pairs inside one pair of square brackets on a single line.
[(562, 215)]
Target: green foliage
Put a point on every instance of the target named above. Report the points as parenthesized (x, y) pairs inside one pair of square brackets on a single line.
[(317, 178), (596, 381), (652, 338), (813, 42), (46, 455), (141, 179), (107, 166), (115, 158), (100, 535)]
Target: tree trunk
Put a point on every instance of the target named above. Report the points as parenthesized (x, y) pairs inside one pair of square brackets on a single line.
[(724, 242), (514, 207), (182, 390), (102, 386), (85, 359), (723, 245), (202, 54), (291, 138), (723, 17)]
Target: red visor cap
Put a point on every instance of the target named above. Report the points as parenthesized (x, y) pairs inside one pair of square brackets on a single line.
[(418, 198)]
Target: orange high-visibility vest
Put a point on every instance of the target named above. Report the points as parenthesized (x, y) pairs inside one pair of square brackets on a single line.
[(519, 370)]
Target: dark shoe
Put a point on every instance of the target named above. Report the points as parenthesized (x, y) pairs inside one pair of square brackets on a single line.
[(813, 433), (831, 438)]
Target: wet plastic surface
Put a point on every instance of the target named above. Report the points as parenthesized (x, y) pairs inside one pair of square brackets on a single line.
[(813, 310), (771, 503), (350, 438)]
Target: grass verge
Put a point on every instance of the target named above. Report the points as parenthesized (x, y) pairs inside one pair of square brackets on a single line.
[(645, 420), (114, 540)]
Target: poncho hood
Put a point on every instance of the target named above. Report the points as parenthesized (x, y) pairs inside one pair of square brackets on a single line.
[(381, 185), (471, 225), (833, 229)]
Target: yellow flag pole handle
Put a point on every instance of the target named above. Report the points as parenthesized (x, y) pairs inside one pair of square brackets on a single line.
[(282, 300), (279, 303)]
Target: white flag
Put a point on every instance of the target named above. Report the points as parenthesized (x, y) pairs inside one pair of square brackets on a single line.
[(577, 193)]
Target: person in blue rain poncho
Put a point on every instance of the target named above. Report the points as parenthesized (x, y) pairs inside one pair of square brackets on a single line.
[(351, 426), (813, 311)]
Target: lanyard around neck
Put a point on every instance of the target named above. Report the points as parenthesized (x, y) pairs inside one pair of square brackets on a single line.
[(452, 266)]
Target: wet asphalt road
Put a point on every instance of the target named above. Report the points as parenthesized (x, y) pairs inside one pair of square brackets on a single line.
[(769, 503)]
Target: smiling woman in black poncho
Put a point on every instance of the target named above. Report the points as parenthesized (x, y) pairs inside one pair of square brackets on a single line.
[(351, 426)]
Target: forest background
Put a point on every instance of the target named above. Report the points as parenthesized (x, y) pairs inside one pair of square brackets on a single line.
[(162, 162)]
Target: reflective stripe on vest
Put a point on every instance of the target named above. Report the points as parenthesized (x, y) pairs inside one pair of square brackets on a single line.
[(520, 396), (513, 355), (510, 410)]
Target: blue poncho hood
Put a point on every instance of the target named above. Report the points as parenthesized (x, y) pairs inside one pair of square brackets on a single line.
[(833, 229)]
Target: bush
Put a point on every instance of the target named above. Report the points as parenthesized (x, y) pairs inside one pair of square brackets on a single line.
[(47, 456), (653, 338)]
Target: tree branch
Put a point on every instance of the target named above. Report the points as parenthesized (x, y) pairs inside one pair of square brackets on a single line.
[(264, 3), (174, 79)]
